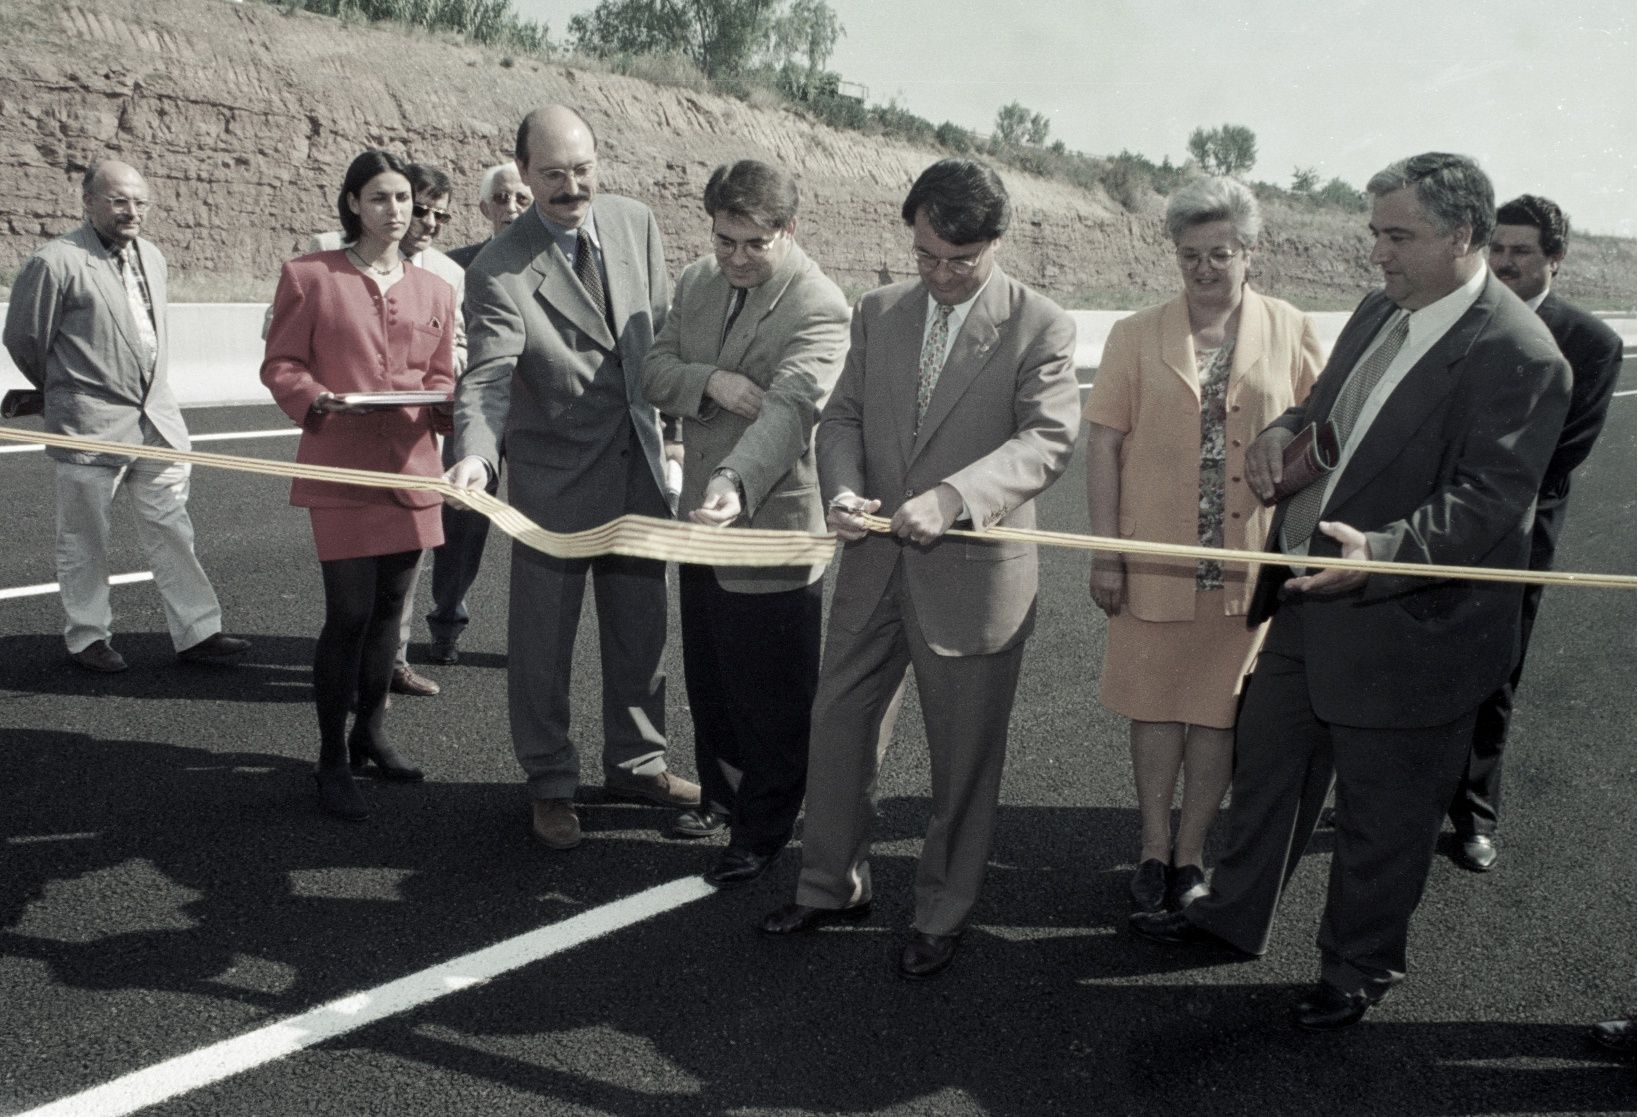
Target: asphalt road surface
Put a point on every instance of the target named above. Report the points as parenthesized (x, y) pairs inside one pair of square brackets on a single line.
[(167, 884)]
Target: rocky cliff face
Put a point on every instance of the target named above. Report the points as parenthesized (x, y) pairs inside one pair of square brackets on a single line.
[(243, 118)]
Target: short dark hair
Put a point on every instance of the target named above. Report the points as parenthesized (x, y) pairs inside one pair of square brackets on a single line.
[(753, 191), (1452, 189), (364, 167), (427, 181), (1544, 214), (964, 200), (520, 148)]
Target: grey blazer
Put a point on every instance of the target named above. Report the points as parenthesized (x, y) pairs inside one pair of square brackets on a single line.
[(546, 379), (790, 339), (71, 333)]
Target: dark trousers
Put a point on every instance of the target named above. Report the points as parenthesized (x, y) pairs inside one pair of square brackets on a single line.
[(1392, 788), (1476, 808), (751, 667), (455, 564)]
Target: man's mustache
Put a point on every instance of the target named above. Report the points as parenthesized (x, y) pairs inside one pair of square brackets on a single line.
[(569, 199)]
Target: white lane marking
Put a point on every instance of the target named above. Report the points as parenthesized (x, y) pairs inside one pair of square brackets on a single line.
[(166, 1080), (52, 587), (1629, 392), (227, 436)]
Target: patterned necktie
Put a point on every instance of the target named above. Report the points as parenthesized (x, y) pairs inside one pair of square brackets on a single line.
[(1303, 516), (140, 311), (736, 303), (932, 361), (585, 270)]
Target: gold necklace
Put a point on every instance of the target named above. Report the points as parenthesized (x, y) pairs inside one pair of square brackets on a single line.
[(369, 267)]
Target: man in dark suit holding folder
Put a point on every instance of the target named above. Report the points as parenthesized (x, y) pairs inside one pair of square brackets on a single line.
[(1447, 396)]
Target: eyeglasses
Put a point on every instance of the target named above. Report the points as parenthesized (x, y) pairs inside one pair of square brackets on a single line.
[(520, 198), (138, 204), (962, 266), (442, 216), (580, 172), (756, 249), (1218, 258)]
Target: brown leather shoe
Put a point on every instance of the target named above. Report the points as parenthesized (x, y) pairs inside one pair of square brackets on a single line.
[(556, 824), (665, 789), (406, 681), (215, 648), (99, 657)]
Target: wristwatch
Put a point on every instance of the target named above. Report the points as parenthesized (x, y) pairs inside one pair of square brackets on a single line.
[(733, 476)]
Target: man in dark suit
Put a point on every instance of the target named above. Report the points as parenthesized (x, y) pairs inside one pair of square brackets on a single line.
[(749, 352), (455, 564), (1525, 253), (1447, 396), (87, 326), (957, 405), (561, 309)]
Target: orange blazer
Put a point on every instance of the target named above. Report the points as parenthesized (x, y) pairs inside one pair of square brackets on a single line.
[(333, 331), (1147, 388)]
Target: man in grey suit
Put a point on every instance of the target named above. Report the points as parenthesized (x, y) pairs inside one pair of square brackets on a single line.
[(751, 348), (87, 325), (1447, 396), (957, 406), (561, 309)]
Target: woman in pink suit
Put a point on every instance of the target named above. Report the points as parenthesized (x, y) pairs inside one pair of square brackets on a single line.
[(362, 319)]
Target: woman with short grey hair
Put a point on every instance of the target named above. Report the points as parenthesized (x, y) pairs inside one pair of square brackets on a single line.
[(1182, 389)]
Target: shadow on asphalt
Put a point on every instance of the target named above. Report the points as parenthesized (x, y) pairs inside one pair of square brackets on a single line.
[(276, 669)]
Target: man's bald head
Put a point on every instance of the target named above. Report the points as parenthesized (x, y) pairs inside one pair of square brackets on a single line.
[(557, 156), (116, 200)]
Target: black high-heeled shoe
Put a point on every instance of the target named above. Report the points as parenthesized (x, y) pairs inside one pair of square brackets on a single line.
[(339, 795), (389, 765)]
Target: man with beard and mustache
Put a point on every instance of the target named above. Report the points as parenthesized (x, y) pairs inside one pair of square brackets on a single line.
[(562, 308), (87, 326), (1525, 253)]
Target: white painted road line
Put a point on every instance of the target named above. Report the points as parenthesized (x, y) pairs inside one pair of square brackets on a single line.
[(166, 1080), (1633, 391), (52, 587), (227, 436)]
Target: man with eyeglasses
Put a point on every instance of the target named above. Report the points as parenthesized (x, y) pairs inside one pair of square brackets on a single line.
[(502, 197), (563, 306), (87, 326), (956, 407), (752, 346)]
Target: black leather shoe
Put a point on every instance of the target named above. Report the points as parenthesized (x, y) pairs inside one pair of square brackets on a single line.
[(1478, 853), (698, 822), (215, 648), (1327, 1008), (339, 796), (1172, 928), (1613, 1035), (1188, 884), (927, 955), (98, 656), (444, 652), (738, 866), (389, 765), (798, 919), (1149, 885)]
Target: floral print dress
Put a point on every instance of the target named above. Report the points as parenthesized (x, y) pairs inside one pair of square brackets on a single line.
[(1212, 366)]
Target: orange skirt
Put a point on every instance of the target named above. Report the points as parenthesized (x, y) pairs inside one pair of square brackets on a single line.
[(1182, 671), (384, 528)]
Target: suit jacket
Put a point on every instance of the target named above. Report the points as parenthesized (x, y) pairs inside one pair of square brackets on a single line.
[(790, 338), (332, 332), (466, 253), (999, 429), (1594, 352), (71, 333), (1446, 473), (548, 381), (1147, 387)]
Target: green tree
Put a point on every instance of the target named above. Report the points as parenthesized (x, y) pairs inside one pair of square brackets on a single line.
[(808, 29), (1304, 180), (1014, 124), (721, 37), (1229, 150)]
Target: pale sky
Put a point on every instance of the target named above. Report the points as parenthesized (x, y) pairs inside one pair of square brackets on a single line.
[(1543, 95)]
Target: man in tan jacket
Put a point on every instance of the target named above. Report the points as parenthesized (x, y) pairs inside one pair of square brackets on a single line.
[(752, 346)]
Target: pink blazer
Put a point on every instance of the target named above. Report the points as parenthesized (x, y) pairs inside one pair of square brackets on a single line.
[(333, 331)]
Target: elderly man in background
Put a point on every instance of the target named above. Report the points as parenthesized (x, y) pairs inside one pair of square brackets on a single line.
[(87, 326), (750, 350), (563, 306), (502, 197), (1525, 253), (957, 406), (1446, 396)]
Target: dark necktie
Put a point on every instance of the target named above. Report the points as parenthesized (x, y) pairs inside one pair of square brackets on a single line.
[(1303, 516), (141, 314), (736, 303), (585, 270)]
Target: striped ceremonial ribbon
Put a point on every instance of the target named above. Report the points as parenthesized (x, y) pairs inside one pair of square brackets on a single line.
[(683, 541)]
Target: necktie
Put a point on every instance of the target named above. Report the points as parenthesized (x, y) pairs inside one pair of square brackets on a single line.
[(140, 311), (585, 270), (1302, 517), (736, 303), (932, 361)]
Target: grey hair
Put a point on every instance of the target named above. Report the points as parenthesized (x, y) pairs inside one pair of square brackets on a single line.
[(1215, 199), (487, 186), (1451, 188)]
